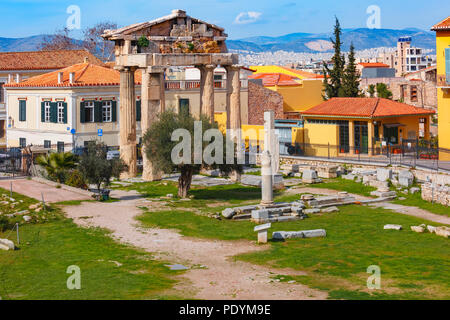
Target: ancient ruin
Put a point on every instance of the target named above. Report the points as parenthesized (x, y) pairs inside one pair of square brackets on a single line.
[(153, 46)]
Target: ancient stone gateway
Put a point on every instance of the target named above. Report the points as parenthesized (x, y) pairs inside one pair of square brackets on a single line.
[(174, 40)]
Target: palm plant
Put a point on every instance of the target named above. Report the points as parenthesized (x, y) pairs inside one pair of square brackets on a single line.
[(57, 164)]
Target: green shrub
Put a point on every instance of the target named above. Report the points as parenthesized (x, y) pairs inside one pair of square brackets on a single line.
[(76, 179), (5, 224)]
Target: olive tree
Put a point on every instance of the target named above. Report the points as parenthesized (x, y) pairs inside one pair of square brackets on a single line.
[(167, 154)]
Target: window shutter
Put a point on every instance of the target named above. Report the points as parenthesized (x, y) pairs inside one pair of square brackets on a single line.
[(447, 64), (114, 111), (42, 111), (98, 112), (65, 112), (82, 113), (138, 110), (22, 110), (53, 112)]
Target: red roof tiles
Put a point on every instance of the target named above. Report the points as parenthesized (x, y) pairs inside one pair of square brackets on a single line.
[(44, 60), (364, 108), (86, 74), (276, 79), (373, 65), (443, 25)]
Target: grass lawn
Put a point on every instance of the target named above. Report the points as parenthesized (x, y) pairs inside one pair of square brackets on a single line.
[(345, 185), (413, 266), (108, 270)]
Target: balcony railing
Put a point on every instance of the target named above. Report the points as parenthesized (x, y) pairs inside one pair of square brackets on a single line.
[(195, 84)]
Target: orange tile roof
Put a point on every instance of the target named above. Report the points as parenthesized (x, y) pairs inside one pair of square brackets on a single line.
[(44, 60), (86, 74), (276, 79), (304, 74), (364, 108), (443, 25), (373, 65)]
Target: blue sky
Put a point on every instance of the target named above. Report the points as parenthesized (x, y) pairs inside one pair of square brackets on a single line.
[(241, 18)]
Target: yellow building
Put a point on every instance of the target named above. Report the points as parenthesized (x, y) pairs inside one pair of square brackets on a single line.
[(44, 110), (300, 90), (364, 126), (443, 83)]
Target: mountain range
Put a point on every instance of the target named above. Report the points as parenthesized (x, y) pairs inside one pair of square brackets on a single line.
[(362, 39)]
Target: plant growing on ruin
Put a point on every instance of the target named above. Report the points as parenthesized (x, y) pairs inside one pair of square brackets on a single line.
[(159, 146), (143, 42)]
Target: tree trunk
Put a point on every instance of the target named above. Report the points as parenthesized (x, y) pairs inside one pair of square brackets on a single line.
[(184, 182)]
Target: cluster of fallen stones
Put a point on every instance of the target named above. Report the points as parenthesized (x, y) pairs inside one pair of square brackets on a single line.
[(283, 212), (440, 231), (8, 204), (311, 174), (381, 179)]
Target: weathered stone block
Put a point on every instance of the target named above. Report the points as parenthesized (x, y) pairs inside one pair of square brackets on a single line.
[(443, 231), (393, 227), (330, 210), (384, 174), (284, 235), (260, 215), (311, 211), (405, 178), (228, 213), (6, 244)]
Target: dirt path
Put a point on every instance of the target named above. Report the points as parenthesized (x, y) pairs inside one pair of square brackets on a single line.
[(413, 211), (35, 190), (220, 278)]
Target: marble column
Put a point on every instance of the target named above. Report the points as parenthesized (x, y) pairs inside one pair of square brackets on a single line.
[(234, 109), (267, 181), (128, 150), (207, 91), (152, 103)]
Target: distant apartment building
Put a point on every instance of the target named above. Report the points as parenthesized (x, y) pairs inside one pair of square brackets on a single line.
[(406, 58), (18, 66)]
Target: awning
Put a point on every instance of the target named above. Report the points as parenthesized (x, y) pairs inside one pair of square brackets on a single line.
[(394, 125)]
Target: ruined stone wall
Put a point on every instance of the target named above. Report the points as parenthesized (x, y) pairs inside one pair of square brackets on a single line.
[(436, 193), (261, 100)]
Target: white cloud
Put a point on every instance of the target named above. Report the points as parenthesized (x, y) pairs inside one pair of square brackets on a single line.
[(247, 17)]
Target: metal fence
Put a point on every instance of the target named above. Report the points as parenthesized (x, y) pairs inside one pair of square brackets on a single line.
[(411, 153), (14, 162)]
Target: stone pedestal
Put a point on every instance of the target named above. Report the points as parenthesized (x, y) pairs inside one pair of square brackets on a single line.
[(128, 149), (152, 103)]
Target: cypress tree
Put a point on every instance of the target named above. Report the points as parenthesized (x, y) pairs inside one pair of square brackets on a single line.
[(333, 78), (350, 80)]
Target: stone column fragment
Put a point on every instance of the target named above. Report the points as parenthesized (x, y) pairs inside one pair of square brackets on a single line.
[(152, 104), (128, 151)]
